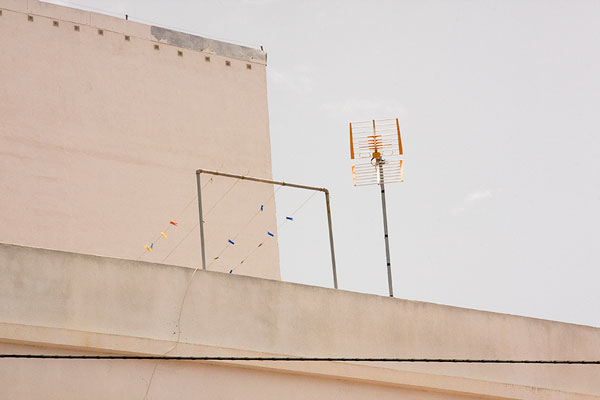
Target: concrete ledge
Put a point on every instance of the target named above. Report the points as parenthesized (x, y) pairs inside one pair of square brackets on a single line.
[(79, 342), (138, 305)]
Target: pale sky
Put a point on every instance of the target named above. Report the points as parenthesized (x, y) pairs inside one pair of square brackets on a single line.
[(498, 105)]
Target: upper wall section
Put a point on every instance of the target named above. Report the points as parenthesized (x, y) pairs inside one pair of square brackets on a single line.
[(141, 31), (104, 123), (198, 43)]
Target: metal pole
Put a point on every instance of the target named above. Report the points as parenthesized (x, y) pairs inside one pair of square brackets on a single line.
[(200, 215), (380, 163), (269, 181), (249, 178), (335, 283)]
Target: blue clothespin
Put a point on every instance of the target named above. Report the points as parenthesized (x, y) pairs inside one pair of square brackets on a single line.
[(230, 241), (152, 245), (262, 207), (270, 234), (290, 218), (230, 271)]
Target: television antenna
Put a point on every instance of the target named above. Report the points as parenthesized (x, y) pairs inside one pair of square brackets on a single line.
[(373, 140)]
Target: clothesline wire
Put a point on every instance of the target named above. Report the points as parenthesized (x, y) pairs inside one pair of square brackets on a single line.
[(166, 230), (244, 227), (278, 230), (222, 197), (198, 223)]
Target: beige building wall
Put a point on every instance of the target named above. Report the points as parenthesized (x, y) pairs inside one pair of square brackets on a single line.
[(71, 379), (63, 303), (103, 123), (100, 137)]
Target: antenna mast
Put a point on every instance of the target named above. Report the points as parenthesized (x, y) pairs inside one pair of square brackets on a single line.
[(372, 140)]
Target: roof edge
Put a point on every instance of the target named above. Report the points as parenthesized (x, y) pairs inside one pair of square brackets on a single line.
[(136, 29), (199, 43)]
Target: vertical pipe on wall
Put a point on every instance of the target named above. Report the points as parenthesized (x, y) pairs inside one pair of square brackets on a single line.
[(335, 282), (200, 215)]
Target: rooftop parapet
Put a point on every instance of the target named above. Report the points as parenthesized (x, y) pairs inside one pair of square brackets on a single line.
[(131, 28)]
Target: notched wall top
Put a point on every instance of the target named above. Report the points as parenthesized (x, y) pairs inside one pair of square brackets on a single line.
[(136, 29), (199, 43)]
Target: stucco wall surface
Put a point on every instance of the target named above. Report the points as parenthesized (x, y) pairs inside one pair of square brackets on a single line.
[(103, 123), (60, 379), (85, 302)]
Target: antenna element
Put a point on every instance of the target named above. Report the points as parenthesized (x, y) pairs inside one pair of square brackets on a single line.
[(373, 140)]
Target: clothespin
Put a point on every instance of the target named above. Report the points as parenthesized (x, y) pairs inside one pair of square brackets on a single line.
[(262, 207), (290, 218), (163, 235), (270, 234), (148, 248), (173, 223), (230, 241)]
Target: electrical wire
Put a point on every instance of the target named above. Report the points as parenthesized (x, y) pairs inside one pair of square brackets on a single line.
[(300, 359), (194, 273), (187, 288), (189, 284), (196, 270), (198, 267)]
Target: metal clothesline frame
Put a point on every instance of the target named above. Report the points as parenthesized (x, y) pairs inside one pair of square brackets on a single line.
[(199, 172)]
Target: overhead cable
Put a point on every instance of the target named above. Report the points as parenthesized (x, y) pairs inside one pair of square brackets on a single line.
[(299, 359)]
